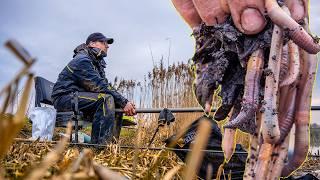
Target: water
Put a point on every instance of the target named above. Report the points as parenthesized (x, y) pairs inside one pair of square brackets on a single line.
[(314, 150)]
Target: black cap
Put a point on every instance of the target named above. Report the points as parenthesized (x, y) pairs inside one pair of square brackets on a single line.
[(98, 37)]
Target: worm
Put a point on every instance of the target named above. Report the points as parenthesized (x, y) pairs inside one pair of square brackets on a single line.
[(278, 159), (270, 126), (284, 67), (252, 158), (264, 158), (294, 64), (296, 32), (250, 100), (302, 113)]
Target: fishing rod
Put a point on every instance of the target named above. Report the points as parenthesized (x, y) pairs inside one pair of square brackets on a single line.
[(185, 110)]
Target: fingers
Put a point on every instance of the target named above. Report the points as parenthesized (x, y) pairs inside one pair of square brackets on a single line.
[(129, 109), (134, 109), (298, 9), (129, 112), (210, 11), (247, 15), (188, 12), (252, 21)]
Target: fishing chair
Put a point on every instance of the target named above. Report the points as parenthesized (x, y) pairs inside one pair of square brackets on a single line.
[(43, 95)]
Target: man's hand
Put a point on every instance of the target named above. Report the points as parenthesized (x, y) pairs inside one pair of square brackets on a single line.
[(130, 109)]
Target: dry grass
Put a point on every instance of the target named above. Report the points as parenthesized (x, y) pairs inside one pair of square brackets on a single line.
[(150, 164)]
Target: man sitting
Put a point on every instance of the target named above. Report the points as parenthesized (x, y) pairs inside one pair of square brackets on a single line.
[(85, 74)]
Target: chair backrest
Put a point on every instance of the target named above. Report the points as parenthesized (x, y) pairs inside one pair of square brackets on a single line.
[(43, 91)]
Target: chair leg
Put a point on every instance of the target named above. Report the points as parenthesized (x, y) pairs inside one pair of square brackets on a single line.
[(76, 128), (117, 125), (77, 115), (71, 131)]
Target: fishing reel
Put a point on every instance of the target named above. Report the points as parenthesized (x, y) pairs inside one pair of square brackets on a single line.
[(165, 118)]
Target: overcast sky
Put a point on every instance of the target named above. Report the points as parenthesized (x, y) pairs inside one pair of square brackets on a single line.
[(51, 29)]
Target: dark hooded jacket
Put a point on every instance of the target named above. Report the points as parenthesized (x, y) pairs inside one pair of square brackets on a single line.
[(85, 73)]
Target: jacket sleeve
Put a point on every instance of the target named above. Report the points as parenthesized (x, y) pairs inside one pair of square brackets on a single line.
[(90, 80)]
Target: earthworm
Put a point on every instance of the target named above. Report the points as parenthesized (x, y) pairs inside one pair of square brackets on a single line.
[(264, 158), (286, 117), (229, 137), (294, 64), (251, 92), (278, 160), (302, 113), (284, 67), (270, 126), (295, 31), (252, 158)]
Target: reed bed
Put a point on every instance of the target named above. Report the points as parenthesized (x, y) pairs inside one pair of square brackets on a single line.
[(166, 87)]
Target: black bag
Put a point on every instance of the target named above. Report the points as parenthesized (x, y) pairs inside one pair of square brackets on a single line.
[(307, 176), (235, 166)]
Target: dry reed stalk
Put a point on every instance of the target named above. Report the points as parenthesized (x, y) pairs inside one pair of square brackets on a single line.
[(170, 174), (22, 55), (153, 165), (16, 48), (85, 156), (105, 173), (209, 172), (136, 151), (194, 157), (19, 75), (11, 126), (1, 174), (69, 158), (221, 171), (51, 158)]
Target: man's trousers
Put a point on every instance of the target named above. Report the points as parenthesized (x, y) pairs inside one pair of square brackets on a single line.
[(101, 108)]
